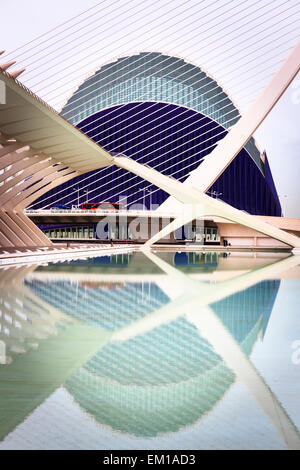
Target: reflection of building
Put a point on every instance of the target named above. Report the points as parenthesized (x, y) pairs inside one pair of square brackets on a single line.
[(166, 378), (117, 260), (156, 373), (206, 260), (42, 348), (109, 308), (169, 114)]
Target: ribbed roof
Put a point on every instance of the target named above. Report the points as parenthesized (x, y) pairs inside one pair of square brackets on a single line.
[(124, 81), (32, 122)]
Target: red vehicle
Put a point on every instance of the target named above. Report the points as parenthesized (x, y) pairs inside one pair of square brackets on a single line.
[(101, 285), (102, 205)]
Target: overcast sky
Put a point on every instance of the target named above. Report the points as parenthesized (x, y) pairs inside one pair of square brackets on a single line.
[(216, 35)]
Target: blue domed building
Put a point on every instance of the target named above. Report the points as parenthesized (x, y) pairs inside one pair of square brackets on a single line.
[(167, 113)]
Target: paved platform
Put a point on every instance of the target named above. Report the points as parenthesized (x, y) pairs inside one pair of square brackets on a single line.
[(9, 256), (60, 251), (221, 248)]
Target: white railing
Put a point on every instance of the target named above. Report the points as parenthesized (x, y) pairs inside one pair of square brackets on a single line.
[(136, 212)]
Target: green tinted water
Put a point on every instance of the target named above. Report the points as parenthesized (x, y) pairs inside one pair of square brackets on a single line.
[(159, 351)]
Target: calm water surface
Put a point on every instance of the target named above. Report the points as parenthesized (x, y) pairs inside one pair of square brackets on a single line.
[(165, 350)]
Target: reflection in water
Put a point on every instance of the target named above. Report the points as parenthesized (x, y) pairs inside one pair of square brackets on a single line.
[(207, 260), (105, 306), (140, 345)]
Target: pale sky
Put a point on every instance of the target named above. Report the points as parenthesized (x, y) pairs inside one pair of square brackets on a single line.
[(218, 36)]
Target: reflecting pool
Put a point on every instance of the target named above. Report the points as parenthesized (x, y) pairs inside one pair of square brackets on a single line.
[(154, 350)]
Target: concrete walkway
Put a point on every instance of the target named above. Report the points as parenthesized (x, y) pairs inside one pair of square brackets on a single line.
[(9, 256)]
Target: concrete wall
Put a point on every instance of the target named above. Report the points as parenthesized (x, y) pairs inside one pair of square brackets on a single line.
[(237, 235)]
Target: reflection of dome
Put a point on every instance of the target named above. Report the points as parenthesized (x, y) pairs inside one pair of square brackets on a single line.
[(148, 411), (110, 309), (166, 378)]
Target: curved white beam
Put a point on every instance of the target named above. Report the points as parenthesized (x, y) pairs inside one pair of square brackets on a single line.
[(197, 204)]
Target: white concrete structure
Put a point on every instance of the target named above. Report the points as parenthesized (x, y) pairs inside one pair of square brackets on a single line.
[(191, 191), (40, 150), (198, 205)]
